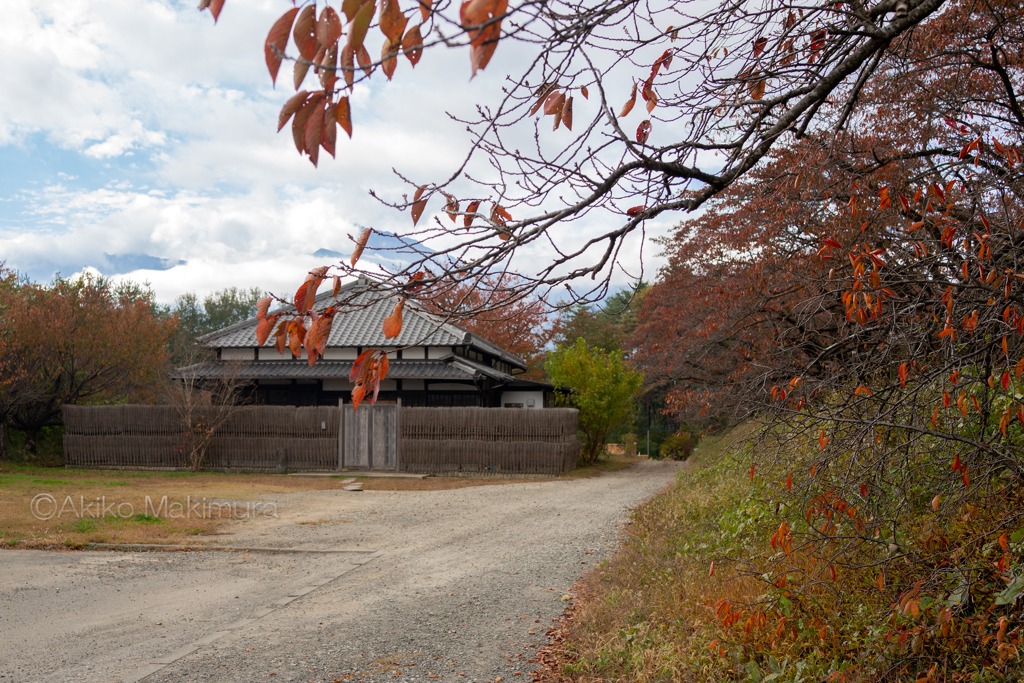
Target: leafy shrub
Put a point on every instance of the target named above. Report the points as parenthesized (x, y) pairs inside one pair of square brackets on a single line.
[(678, 446)]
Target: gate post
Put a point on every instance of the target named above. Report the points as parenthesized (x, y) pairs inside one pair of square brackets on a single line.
[(398, 436), (341, 433)]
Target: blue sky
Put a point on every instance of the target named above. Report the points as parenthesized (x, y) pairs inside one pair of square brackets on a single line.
[(136, 135)]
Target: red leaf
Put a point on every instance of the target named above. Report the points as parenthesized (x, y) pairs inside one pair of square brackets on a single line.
[(412, 45), (418, 204), (262, 306), (903, 374), (759, 46), (264, 328), (343, 116), (290, 107), (365, 63), (329, 135), (635, 211), (392, 21), (425, 6), (348, 66), (643, 131), (314, 130), (389, 58), (364, 236), (628, 106), (470, 210), (316, 338), (357, 396), (296, 335), (567, 113), (302, 118), (306, 293), (789, 483), (215, 7), (393, 323), (304, 32), (281, 337), (276, 41), (336, 286), (328, 27), (452, 207), (481, 20), (360, 366), (553, 102), (585, 92)]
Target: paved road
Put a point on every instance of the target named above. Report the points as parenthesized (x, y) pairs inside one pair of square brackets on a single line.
[(447, 585)]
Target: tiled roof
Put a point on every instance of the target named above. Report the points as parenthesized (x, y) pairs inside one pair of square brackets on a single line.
[(359, 322)]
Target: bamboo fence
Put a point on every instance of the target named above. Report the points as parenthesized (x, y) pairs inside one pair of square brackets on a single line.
[(432, 440), (494, 440), (154, 436)]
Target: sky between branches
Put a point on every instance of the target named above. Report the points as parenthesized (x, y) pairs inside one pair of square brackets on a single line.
[(135, 135)]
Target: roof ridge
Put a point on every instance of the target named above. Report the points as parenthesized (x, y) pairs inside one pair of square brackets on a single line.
[(284, 309)]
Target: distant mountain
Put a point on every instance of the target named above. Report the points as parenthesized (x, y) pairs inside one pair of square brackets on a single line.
[(118, 264), (386, 246)]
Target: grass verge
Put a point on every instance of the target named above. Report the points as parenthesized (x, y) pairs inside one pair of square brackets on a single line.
[(645, 615)]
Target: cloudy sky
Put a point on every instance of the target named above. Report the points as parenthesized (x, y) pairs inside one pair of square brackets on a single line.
[(138, 139)]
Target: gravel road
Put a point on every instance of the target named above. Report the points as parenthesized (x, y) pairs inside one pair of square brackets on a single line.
[(456, 585)]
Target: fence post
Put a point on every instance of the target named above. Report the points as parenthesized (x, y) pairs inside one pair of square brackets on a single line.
[(282, 461), (341, 433), (398, 436)]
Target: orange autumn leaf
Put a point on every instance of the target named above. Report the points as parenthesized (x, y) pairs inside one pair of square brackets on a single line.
[(418, 204), (364, 236), (393, 323), (277, 39)]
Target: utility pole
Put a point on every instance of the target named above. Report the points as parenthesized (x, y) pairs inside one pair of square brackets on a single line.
[(648, 430)]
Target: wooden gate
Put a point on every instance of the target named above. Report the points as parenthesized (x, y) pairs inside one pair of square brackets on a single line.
[(368, 438)]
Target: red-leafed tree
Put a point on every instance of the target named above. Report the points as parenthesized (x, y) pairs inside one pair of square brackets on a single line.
[(494, 308), (76, 341), (864, 294)]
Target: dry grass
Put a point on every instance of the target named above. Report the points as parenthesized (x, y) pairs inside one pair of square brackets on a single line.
[(83, 500), (647, 614)]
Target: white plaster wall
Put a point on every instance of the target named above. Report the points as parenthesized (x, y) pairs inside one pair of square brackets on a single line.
[(414, 353), (340, 353), (237, 354), (523, 397), (270, 353)]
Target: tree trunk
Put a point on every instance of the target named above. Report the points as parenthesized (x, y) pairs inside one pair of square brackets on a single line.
[(3, 440)]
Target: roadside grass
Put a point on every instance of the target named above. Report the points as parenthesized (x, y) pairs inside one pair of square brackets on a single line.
[(660, 610), (106, 506), (606, 463), (646, 614)]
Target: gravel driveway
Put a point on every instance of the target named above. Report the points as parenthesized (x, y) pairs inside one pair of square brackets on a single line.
[(456, 585)]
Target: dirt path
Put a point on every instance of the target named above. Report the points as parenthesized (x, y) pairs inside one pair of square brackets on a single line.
[(462, 587)]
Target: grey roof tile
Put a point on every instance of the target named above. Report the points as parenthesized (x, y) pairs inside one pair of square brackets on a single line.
[(359, 322)]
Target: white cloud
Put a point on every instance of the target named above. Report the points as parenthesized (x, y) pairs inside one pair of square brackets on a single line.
[(191, 103)]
